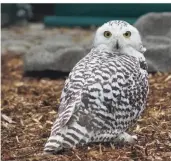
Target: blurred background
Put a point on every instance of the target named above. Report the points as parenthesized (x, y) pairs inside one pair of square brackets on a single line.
[(56, 36), (83, 15)]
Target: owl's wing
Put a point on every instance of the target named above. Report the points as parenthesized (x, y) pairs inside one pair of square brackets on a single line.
[(70, 97)]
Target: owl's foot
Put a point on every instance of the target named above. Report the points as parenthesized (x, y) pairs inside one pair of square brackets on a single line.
[(126, 138)]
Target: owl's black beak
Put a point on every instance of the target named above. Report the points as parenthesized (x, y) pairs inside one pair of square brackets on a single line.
[(117, 45)]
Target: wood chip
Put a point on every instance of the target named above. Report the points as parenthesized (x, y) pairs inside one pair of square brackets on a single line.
[(7, 118)]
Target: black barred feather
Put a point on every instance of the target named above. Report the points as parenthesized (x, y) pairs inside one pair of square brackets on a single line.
[(103, 96)]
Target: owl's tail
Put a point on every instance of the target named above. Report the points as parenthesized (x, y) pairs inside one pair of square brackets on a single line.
[(67, 137)]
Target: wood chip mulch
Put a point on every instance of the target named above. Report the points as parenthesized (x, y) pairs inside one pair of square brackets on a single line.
[(29, 106)]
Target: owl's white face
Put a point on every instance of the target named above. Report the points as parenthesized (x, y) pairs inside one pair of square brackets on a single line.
[(117, 36)]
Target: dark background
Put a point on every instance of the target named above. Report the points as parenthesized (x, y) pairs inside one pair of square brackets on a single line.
[(78, 14), (41, 10)]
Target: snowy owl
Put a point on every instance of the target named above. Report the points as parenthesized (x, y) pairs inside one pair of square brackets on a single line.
[(105, 92)]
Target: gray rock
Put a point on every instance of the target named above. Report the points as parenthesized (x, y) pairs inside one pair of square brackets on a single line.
[(158, 60), (61, 57), (154, 24), (20, 40), (16, 46), (60, 52), (155, 29), (58, 40)]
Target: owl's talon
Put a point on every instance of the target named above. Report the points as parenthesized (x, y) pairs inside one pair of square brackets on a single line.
[(126, 138)]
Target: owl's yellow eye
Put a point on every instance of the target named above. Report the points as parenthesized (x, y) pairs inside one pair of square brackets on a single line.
[(127, 34), (107, 34)]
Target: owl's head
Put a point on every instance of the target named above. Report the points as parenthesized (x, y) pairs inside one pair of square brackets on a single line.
[(118, 35)]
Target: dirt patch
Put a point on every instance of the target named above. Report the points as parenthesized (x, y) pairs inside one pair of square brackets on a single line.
[(29, 108)]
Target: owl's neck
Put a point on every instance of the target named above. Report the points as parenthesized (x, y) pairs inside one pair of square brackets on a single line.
[(133, 52), (105, 48), (102, 47), (129, 50)]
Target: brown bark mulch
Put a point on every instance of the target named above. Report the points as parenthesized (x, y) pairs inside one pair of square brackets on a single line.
[(29, 106)]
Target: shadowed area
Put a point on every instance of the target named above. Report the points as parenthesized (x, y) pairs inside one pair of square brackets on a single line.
[(47, 73)]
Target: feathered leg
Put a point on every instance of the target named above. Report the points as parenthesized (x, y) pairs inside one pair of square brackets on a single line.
[(112, 137), (126, 138)]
